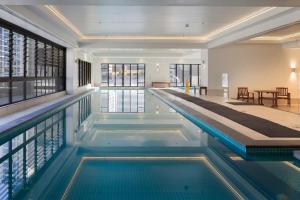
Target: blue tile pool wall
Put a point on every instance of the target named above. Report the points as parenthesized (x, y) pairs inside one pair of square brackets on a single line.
[(28, 152)]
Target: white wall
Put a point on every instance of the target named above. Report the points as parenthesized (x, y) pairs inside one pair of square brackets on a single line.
[(152, 73), (257, 66)]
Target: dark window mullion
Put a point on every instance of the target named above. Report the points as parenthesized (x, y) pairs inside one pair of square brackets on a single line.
[(36, 65), (10, 45), (45, 69), (123, 72), (130, 74), (115, 70), (107, 70), (137, 75), (25, 66)]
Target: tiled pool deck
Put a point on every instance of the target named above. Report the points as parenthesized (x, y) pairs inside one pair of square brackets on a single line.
[(235, 133), (8, 122)]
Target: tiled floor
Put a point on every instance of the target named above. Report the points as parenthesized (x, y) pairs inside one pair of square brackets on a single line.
[(282, 105)]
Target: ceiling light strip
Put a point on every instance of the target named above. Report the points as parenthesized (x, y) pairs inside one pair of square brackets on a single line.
[(264, 38), (240, 21), (67, 22), (142, 37), (276, 38)]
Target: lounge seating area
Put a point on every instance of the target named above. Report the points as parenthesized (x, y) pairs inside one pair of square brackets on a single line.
[(273, 95), (279, 98)]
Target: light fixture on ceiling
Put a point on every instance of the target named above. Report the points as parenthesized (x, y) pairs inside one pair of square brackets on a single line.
[(187, 25)]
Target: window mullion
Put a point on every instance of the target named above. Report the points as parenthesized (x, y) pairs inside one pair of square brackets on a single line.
[(10, 64), (25, 66)]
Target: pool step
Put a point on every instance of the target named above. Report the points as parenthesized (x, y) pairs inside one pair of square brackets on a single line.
[(138, 116), (134, 125)]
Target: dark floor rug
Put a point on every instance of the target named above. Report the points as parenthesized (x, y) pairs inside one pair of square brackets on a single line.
[(263, 126)]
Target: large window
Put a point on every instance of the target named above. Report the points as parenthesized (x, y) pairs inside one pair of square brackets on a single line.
[(30, 66), (181, 73), (123, 75), (84, 73)]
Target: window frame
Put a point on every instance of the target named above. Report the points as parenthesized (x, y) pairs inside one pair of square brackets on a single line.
[(29, 36), (84, 73), (106, 81), (183, 66)]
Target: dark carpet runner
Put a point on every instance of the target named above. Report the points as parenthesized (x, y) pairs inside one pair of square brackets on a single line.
[(263, 126)]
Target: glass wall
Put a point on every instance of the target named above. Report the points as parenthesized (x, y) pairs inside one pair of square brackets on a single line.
[(123, 75), (30, 66), (181, 73)]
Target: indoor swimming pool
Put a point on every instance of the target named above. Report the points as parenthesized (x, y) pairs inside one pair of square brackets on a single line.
[(129, 144)]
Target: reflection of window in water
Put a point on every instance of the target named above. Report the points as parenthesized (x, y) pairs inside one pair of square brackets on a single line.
[(122, 101), (27, 153), (84, 109)]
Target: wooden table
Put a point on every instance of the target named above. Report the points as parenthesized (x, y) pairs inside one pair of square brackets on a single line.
[(261, 97)]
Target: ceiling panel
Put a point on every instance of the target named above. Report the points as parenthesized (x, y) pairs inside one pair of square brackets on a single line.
[(243, 3), (152, 20)]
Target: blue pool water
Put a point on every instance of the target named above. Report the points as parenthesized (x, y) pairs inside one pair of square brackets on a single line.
[(128, 144)]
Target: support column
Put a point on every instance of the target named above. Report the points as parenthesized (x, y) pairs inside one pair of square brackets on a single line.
[(71, 75), (204, 68)]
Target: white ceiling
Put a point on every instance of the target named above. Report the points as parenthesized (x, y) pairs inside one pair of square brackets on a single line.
[(145, 24), (244, 3), (152, 20)]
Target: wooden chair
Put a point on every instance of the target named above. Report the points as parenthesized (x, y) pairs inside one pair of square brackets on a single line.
[(243, 94), (283, 93)]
